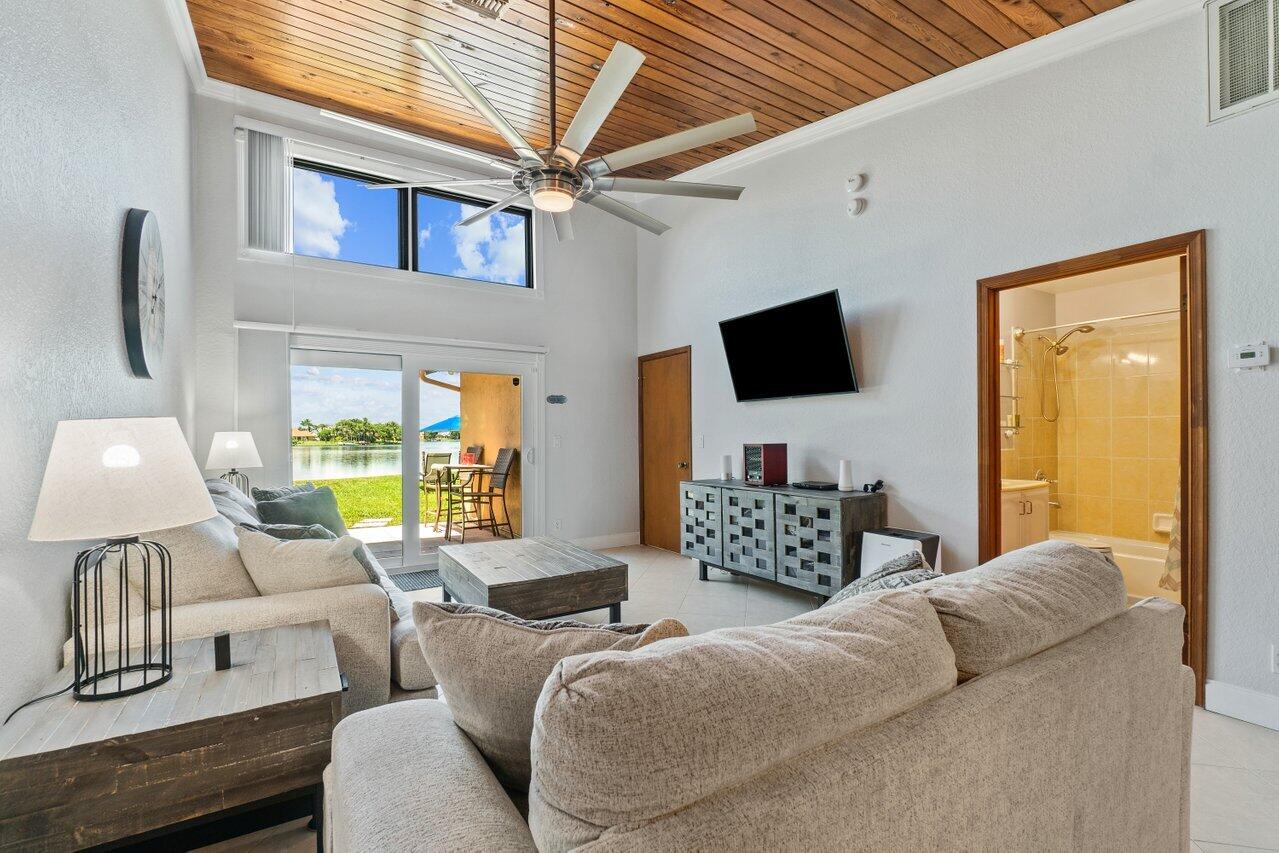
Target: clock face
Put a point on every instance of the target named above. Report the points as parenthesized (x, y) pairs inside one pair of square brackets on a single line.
[(142, 291)]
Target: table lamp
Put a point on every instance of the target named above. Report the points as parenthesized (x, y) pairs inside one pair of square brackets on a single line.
[(234, 450), (111, 480)]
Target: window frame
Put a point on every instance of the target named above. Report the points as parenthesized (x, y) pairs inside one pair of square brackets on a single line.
[(407, 223), (525, 212)]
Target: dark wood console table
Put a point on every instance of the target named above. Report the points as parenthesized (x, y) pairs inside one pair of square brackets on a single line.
[(803, 538)]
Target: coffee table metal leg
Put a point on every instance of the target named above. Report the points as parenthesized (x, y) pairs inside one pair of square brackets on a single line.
[(317, 817), (445, 592), (615, 613)]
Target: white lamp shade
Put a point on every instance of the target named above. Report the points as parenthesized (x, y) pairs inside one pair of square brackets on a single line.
[(233, 450), (118, 477)]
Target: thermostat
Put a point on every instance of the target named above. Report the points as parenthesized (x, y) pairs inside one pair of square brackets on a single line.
[(1250, 356)]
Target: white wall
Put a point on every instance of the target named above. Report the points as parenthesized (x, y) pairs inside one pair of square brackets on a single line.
[(96, 120), (1095, 151), (584, 312)]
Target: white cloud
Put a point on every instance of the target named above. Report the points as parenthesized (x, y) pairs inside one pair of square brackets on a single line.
[(317, 220), (423, 236), (491, 249)]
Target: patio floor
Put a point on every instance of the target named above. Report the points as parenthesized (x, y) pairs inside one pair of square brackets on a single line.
[(385, 542)]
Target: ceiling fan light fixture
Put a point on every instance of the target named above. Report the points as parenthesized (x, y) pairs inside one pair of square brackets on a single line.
[(552, 193), (552, 199)]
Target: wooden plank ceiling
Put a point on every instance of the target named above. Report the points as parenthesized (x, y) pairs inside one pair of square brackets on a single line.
[(791, 62)]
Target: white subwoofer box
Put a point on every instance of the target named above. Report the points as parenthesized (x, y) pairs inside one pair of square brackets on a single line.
[(887, 543)]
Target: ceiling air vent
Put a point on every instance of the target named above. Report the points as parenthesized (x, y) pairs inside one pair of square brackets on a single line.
[(1243, 55), (491, 9)]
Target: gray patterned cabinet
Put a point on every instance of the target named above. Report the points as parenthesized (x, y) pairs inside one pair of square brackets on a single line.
[(802, 538), (699, 522), (748, 532)]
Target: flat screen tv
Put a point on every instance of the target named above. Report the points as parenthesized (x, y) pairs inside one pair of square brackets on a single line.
[(799, 349)]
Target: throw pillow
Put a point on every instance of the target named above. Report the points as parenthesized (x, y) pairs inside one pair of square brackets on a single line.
[(271, 493), (293, 531), (898, 572), (226, 490), (206, 564), (278, 565), (401, 604), (492, 666), (319, 506)]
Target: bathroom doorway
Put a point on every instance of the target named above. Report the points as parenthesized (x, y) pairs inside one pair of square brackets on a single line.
[(1092, 417)]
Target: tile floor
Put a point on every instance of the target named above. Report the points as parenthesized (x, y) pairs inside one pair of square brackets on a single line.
[(1234, 777)]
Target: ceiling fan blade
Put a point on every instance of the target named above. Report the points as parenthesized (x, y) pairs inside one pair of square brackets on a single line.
[(603, 95), (680, 188), (625, 211), (505, 129), (563, 226), (489, 182), (696, 137), (491, 209)]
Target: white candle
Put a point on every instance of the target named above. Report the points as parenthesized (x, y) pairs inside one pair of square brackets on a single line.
[(845, 475), (726, 466)]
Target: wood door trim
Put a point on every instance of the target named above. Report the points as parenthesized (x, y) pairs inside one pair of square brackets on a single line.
[(639, 381), (1194, 413)]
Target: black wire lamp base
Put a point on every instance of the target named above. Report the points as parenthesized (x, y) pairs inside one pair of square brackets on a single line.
[(134, 651), (238, 479)]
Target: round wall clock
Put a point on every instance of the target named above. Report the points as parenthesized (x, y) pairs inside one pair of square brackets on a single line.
[(142, 292)]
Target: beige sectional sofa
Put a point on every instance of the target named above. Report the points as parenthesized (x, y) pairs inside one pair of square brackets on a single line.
[(212, 591), (1017, 706)]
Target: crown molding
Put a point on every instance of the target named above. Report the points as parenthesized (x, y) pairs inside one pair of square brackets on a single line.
[(1129, 19)]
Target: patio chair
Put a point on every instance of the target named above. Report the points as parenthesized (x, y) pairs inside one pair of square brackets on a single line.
[(435, 477), (488, 495)]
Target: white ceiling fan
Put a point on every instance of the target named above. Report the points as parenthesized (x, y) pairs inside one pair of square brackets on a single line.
[(557, 178)]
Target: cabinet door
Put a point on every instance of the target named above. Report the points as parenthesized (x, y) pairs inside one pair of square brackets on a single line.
[(1036, 519), (748, 532), (810, 544), (699, 522), (1012, 509)]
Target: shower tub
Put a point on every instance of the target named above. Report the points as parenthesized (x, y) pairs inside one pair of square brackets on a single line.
[(1142, 563)]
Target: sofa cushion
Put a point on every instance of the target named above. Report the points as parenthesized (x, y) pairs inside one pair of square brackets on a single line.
[(233, 512), (404, 777), (206, 563), (224, 489), (1023, 602), (319, 506), (280, 565), (625, 737), (270, 493), (897, 573), (401, 604), (408, 665), (492, 665)]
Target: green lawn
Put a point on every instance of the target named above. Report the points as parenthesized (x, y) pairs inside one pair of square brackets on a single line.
[(374, 497)]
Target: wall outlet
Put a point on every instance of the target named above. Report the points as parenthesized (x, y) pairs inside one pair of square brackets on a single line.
[(556, 525), (701, 441), (1274, 658)]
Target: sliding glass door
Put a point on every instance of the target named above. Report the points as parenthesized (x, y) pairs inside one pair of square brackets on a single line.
[(347, 433), (421, 448)]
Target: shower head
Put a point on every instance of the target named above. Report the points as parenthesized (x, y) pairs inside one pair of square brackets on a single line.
[(1058, 344)]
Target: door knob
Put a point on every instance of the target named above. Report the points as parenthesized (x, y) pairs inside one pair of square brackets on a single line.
[(681, 464)]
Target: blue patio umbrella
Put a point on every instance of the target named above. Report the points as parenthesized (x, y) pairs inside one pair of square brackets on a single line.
[(452, 424)]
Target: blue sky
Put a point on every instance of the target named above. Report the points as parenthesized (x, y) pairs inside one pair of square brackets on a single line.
[(335, 217), (328, 394)]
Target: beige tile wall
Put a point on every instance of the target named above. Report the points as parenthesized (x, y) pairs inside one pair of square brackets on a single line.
[(1118, 437)]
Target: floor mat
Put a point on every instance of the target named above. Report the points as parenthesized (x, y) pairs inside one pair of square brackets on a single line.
[(413, 581)]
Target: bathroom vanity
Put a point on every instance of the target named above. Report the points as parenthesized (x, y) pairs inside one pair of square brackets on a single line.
[(1023, 513)]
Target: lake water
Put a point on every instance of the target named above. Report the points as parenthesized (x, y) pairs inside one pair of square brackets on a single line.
[(338, 461)]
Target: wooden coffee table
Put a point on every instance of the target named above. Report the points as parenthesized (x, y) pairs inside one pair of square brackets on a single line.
[(77, 774), (535, 578)]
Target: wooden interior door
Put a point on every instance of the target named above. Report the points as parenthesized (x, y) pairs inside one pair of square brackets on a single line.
[(666, 442)]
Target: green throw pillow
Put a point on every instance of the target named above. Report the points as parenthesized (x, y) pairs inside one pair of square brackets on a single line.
[(273, 493), (318, 506), (293, 531)]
